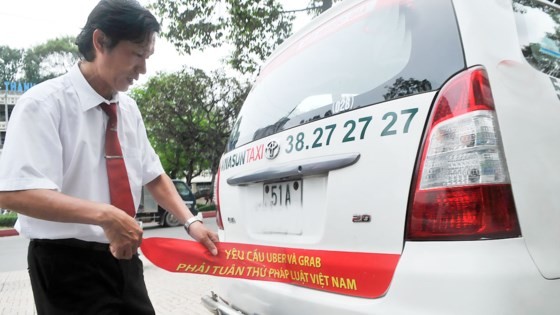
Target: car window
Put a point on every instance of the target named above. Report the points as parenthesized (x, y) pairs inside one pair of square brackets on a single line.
[(372, 52), (183, 190), (538, 27)]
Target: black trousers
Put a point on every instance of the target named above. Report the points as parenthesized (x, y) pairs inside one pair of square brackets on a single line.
[(71, 276)]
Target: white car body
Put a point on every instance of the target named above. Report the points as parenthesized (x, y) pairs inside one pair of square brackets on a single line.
[(359, 198)]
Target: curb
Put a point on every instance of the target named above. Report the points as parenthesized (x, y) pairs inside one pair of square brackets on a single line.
[(10, 232), (209, 214)]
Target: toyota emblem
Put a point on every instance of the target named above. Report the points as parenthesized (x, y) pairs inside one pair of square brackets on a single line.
[(272, 150)]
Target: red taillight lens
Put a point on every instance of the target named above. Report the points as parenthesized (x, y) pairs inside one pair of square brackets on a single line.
[(219, 221), (462, 189), (477, 212)]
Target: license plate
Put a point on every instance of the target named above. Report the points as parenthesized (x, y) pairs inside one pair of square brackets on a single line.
[(283, 194)]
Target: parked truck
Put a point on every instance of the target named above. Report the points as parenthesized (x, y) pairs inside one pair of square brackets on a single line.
[(150, 211)]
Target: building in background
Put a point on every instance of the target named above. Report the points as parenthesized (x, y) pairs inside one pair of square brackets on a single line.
[(11, 91), (202, 182)]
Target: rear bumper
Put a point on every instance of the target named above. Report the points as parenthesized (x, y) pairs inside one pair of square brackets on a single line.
[(217, 306), (478, 277)]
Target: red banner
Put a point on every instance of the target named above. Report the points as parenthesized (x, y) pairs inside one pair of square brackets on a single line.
[(357, 274)]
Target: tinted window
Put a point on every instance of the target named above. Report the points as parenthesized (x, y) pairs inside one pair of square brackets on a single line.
[(538, 26), (183, 190), (372, 52)]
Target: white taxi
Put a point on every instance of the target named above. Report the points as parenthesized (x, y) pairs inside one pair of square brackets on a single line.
[(405, 155)]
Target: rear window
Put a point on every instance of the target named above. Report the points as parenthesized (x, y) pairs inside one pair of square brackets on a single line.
[(372, 52), (538, 26)]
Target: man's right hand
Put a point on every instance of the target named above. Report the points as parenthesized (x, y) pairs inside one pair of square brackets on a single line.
[(123, 232)]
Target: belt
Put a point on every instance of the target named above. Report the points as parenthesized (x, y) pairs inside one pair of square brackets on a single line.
[(72, 242)]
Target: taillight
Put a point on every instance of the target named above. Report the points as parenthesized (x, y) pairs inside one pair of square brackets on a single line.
[(462, 189), (219, 221)]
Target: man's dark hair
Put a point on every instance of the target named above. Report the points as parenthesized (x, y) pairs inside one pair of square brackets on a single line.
[(119, 20)]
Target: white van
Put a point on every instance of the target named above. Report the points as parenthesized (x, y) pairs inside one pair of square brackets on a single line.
[(426, 131)]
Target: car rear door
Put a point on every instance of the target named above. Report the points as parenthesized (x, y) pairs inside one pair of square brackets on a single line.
[(323, 152)]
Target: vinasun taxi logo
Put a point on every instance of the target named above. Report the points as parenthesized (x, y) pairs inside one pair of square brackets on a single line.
[(252, 154)]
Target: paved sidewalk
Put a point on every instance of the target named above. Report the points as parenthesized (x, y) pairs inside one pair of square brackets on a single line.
[(171, 293)]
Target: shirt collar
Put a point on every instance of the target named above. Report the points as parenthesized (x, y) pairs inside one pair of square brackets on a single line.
[(89, 98)]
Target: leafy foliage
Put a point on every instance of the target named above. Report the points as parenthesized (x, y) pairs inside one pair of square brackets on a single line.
[(51, 59), (252, 27), (402, 87), (188, 117), (39, 63), (8, 219), (317, 7), (11, 60)]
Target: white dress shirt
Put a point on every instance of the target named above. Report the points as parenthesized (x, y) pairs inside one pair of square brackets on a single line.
[(55, 141)]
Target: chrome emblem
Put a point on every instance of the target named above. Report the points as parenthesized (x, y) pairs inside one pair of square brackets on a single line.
[(363, 218), (272, 149)]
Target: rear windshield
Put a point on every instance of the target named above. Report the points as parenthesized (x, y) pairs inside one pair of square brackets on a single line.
[(372, 52), (538, 26)]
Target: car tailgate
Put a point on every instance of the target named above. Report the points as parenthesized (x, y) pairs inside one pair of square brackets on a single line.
[(355, 172)]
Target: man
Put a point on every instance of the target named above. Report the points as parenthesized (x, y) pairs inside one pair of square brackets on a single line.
[(54, 172)]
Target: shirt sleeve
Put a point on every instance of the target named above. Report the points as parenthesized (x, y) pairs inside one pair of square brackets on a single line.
[(32, 154), (152, 167)]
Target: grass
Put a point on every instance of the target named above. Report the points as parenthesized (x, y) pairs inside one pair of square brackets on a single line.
[(203, 207)]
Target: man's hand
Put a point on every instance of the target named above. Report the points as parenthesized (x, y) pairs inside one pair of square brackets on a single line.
[(123, 233), (165, 193), (206, 237)]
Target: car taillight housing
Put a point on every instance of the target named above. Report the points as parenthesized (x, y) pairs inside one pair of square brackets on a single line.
[(462, 190), (219, 221)]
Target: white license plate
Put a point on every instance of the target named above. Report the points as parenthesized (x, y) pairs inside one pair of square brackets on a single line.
[(283, 194)]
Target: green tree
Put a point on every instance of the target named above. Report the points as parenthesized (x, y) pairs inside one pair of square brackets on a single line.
[(50, 59), (252, 27), (11, 60), (402, 87), (188, 117)]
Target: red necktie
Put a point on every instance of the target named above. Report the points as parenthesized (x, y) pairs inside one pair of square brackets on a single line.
[(119, 187)]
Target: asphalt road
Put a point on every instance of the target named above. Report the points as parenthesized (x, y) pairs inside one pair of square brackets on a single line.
[(13, 249)]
